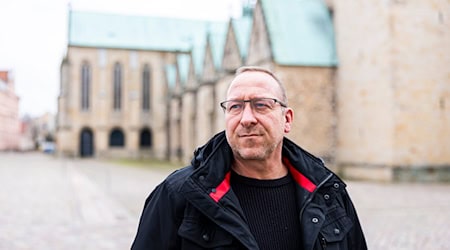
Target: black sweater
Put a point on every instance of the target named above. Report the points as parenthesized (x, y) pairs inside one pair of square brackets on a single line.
[(271, 210)]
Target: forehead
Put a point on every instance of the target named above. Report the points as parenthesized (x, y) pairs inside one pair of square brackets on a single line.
[(253, 84)]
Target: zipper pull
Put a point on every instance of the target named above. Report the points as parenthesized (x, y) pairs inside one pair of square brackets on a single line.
[(323, 243)]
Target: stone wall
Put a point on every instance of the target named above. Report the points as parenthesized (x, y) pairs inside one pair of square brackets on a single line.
[(101, 117), (393, 86), (311, 93)]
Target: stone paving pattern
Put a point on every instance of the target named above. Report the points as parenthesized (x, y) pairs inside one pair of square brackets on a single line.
[(55, 203)]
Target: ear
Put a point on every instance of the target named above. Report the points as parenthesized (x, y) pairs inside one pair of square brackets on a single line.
[(289, 117)]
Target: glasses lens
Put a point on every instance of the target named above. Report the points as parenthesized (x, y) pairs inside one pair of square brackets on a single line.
[(260, 105), (234, 106), (263, 104)]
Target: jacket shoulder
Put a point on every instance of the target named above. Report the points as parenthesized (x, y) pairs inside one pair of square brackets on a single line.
[(176, 179)]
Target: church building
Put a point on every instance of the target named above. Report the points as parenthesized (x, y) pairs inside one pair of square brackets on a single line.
[(369, 82)]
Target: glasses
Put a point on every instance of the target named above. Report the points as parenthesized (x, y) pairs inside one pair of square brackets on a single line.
[(260, 105)]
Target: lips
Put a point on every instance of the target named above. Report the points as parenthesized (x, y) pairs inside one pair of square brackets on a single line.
[(248, 135)]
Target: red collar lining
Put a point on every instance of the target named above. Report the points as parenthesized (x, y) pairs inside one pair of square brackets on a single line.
[(299, 177), (222, 189), (224, 186)]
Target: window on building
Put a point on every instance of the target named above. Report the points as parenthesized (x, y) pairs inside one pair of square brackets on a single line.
[(145, 138), (117, 91), (85, 86), (146, 88), (116, 138)]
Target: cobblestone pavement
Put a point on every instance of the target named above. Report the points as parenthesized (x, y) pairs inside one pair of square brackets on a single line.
[(53, 203)]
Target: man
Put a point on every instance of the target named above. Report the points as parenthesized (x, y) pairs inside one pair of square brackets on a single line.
[(250, 187)]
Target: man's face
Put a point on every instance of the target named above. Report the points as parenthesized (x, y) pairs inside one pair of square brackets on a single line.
[(253, 135)]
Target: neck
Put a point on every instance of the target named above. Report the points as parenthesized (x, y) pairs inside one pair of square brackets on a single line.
[(260, 169)]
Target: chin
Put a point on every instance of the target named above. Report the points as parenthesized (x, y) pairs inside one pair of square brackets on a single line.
[(251, 154)]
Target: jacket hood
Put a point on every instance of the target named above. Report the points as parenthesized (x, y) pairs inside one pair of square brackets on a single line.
[(203, 153), (309, 165)]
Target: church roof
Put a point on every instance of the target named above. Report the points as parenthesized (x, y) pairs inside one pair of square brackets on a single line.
[(171, 75), (88, 29), (217, 38), (183, 61), (242, 29), (301, 32)]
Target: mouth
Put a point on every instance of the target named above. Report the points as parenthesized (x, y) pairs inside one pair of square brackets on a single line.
[(248, 135)]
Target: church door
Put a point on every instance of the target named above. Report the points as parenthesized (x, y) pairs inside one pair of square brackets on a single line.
[(86, 143)]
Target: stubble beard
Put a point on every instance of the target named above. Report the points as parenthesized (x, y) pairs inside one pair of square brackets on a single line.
[(254, 151)]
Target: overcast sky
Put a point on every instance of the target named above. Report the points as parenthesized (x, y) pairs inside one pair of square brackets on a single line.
[(33, 38)]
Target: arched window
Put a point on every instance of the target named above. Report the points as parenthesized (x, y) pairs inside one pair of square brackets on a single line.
[(145, 138), (116, 138), (85, 86), (117, 90), (146, 88)]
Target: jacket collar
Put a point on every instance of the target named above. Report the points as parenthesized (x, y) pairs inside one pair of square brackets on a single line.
[(208, 187), (213, 160)]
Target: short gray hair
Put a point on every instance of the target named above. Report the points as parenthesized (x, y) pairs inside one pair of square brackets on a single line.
[(267, 71)]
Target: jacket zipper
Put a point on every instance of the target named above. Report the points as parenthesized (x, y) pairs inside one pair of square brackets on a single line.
[(312, 195), (322, 240)]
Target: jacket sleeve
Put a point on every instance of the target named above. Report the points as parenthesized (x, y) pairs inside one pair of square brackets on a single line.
[(356, 239), (160, 219)]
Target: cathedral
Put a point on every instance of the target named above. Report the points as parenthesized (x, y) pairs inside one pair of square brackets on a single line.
[(369, 82)]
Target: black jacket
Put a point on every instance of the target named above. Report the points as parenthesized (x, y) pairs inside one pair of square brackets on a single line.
[(195, 208)]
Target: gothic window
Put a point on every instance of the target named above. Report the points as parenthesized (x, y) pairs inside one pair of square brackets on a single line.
[(116, 138), (117, 88), (146, 88), (85, 86)]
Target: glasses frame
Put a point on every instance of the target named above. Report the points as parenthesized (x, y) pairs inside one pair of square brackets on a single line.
[(251, 101)]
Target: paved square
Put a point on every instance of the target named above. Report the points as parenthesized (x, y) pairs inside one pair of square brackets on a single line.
[(55, 203)]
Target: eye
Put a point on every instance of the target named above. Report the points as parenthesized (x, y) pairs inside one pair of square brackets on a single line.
[(262, 104), (234, 106)]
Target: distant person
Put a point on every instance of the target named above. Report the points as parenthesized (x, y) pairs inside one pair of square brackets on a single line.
[(249, 187)]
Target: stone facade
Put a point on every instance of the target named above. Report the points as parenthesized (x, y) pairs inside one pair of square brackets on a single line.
[(311, 92), (382, 113), (393, 87), (100, 119), (9, 113)]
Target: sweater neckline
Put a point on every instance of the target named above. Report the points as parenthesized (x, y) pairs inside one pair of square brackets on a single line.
[(235, 177)]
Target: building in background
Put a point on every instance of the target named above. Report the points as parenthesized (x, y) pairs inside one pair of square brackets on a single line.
[(113, 82), (9, 113), (369, 82), (393, 89), (43, 128), (38, 133), (28, 132)]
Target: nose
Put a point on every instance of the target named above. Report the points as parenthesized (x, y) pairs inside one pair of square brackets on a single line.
[(248, 116)]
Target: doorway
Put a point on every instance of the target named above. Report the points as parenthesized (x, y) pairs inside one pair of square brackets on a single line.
[(86, 143)]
